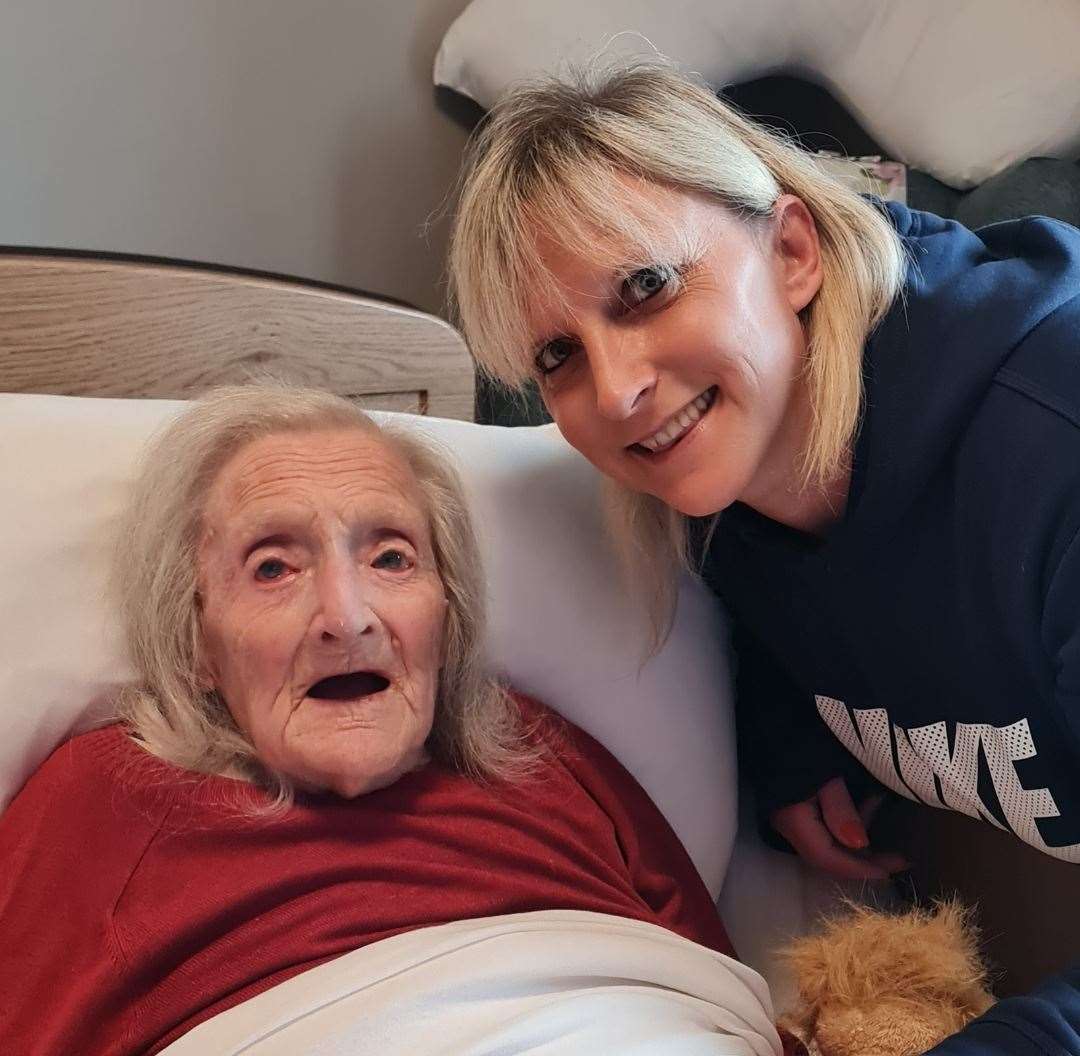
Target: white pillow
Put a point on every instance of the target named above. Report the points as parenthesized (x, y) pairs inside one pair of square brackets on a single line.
[(959, 90), (561, 627)]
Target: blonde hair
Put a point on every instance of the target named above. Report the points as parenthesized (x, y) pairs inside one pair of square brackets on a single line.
[(168, 711), (550, 156)]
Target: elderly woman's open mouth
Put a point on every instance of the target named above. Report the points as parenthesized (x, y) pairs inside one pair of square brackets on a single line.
[(352, 685)]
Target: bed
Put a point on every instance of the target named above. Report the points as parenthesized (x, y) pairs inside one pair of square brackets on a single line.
[(84, 341)]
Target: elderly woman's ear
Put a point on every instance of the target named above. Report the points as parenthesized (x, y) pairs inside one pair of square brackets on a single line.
[(205, 678), (444, 650)]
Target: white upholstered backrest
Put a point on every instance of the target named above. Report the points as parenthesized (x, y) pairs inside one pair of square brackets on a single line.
[(561, 627)]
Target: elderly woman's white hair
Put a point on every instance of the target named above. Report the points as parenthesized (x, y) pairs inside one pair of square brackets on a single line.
[(168, 711)]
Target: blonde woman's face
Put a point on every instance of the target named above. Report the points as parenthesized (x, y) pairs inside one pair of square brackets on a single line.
[(683, 379), (322, 610)]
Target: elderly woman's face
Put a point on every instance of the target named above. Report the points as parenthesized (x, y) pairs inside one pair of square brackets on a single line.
[(684, 378), (322, 610)]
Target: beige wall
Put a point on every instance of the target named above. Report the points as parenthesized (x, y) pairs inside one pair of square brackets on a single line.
[(299, 136)]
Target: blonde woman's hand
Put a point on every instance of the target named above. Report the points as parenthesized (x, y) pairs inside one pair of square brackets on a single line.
[(829, 832)]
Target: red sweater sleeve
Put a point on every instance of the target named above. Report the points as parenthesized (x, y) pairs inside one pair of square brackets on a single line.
[(662, 873), (64, 871)]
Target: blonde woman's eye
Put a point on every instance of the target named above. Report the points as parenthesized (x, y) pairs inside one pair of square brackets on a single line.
[(553, 355), (270, 569), (645, 283), (393, 561)]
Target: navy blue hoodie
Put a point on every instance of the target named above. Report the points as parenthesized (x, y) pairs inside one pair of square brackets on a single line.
[(933, 636)]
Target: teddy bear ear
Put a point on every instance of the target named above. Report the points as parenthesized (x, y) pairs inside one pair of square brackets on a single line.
[(809, 959), (963, 976)]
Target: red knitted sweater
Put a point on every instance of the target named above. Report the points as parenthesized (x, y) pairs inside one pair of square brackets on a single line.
[(137, 900)]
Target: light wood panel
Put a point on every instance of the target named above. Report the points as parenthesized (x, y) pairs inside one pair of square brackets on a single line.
[(78, 325)]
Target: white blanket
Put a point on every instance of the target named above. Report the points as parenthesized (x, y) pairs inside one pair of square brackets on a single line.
[(557, 982)]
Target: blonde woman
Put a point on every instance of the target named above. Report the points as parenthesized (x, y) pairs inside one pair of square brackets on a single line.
[(861, 423)]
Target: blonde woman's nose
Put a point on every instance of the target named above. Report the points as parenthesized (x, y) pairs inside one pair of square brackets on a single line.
[(623, 376)]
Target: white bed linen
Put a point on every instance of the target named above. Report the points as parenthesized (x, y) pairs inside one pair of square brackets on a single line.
[(563, 981)]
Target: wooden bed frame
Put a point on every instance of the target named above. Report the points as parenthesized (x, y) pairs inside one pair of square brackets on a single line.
[(84, 324)]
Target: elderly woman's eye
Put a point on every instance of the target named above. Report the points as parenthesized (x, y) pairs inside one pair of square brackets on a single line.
[(392, 561), (270, 569), (645, 283)]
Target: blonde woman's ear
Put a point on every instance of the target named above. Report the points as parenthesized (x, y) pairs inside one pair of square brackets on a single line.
[(799, 251)]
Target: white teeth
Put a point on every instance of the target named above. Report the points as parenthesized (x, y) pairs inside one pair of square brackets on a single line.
[(679, 422)]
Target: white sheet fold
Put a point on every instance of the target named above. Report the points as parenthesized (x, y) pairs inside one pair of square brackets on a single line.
[(556, 982)]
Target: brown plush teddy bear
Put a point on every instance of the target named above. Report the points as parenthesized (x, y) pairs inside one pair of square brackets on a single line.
[(883, 984)]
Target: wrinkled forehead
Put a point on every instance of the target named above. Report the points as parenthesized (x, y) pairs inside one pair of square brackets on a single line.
[(294, 470)]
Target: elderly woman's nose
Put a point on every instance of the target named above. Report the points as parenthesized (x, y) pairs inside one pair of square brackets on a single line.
[(623, 376), (345, 609)]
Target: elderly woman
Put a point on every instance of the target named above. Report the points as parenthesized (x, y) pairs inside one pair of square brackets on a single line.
[(313, 763), (862, 423)]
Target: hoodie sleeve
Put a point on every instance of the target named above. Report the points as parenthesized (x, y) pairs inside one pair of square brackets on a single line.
[(1045, 1022), (1061, 629), (786, 752)]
